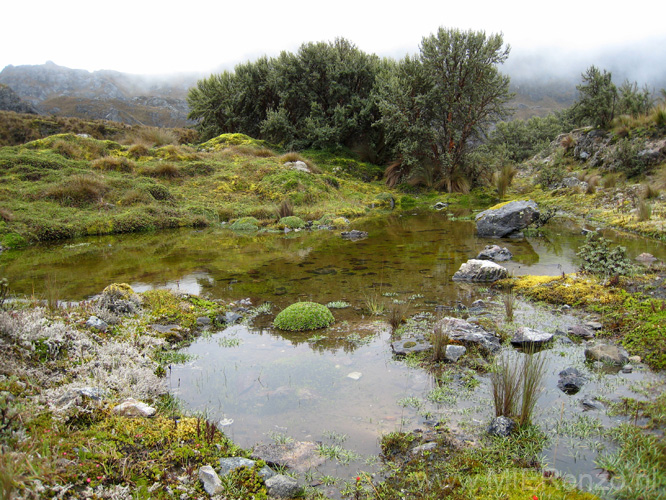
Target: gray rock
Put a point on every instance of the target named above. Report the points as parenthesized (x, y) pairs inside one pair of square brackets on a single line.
[(607, 353), (210, 480), (634, 359), (454, 352), (230, 463), (478, 304), (501, 427), (571, 380), (496, 253), (440, 205), (627, 369), (133, 408), (98, 324), (467, 333), (77, 397), (203, 321), (591, 404), (230, 318), (581, 331), (506, 220), (646, 257), (482, 271), (281, 486), (354, 235), (409, 345), (527, 336), (594, 325)]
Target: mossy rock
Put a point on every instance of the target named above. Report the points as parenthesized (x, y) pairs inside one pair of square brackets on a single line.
[(340, 222), (245, 224), (292, 222), (304, 316)]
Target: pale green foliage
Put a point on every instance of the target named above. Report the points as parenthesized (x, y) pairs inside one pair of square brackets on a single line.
[(304, 316), (599, 258), (434, 105)]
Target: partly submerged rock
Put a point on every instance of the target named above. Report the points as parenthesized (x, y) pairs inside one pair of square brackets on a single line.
[(298, 455), (581, 331), (608, 354), (495, 252), (571, 380), (409, 345), (525, 337), (210, 480), (484, 271), (467, 333), (229, 464), (507, 219), (133, 408), (354, 235)]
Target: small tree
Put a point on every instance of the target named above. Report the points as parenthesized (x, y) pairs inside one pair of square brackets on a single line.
[(597, 100), (435, 106), (633, 101)]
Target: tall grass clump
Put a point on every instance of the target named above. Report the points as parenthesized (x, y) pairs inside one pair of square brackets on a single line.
[(78, 190), (650, 191), (643, 210), (439, 340), (509, 301), (516, 384), (164, 170), (374, 304), (503, 178), (397, 311), (114, 163), (286, 209)]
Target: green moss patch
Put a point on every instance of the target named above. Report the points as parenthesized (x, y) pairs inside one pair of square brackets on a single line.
[(304, 316)]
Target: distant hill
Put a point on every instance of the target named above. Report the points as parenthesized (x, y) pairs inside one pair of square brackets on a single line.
[(108, 95), (10, 101)]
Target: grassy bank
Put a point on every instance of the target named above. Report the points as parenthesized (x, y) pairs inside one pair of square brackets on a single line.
[(69, 185)]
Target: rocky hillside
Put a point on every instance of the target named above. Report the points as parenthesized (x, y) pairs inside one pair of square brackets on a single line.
[(10, 101), (108, 95)]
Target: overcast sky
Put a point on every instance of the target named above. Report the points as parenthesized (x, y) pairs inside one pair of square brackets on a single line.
[(149, 37)]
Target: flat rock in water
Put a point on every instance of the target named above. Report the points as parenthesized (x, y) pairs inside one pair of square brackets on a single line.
[(608, 354), (506, 220), (299, 455), (527, 336), (407, 346), (496, 253), (467, 333), (133, 408), (481, 271)]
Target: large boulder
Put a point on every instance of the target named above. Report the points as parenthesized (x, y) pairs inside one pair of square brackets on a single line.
[(484, 271), (506, 220)]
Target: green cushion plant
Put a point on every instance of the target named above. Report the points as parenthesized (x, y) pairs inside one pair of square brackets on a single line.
[(304, 316)]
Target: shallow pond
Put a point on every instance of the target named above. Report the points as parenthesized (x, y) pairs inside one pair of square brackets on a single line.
[(341, 386)]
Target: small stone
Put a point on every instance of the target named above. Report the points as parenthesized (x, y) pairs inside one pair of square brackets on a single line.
[(581, 331), (482, 271), (480, 304), (281, 486), (354, 235), (133, 408), (607, 353), (590, 404), (354, 375), (454, 352), (501, 427), (423, 448), (210, 480), (231, 318), (496, 253), (440, 205), (646, 257), (98, 324), (635, 359), (627, 369), (595, 325), (203, 321)]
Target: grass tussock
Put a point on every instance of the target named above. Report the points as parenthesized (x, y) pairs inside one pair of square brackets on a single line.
[(114, 163), (509, 301), (397, 314), (650, 191), (516, 384), (503, 178), (136, 151), (643, 210), (78, 190), (439, 340), (286, 209), (164, 170)]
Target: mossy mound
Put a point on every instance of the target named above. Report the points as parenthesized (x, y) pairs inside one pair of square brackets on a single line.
[(292, 222), (229, 140), (304, 316), (245, 224)]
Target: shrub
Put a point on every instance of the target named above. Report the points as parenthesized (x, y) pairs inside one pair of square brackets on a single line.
[(627, 159), (304, 316), (116, 163), (67, 149), (550, 174), (599, 258), (159, 192), (291, 222)]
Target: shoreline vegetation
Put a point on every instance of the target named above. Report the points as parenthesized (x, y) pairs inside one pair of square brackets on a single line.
[(65, 369)]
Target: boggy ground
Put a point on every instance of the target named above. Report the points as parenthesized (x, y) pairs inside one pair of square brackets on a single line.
[(61, 377)]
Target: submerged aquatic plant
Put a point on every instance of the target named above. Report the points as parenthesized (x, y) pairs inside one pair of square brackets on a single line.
[(303, 316)]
